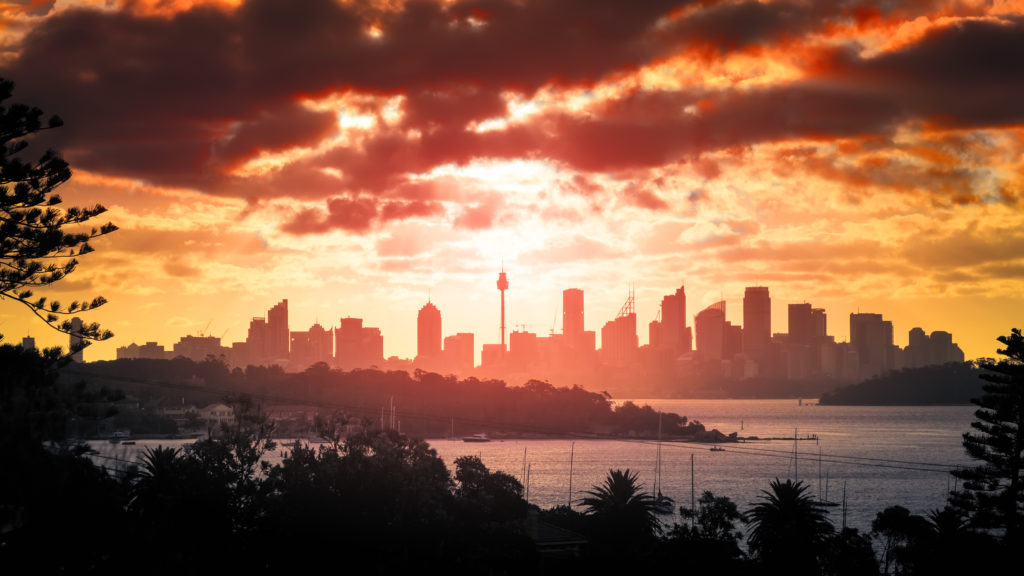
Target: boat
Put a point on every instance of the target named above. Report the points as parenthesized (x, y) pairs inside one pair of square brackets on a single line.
[(118, 436), (476, 438), (128, 443), (717, 448)]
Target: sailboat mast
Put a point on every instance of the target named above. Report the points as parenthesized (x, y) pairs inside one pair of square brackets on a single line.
[(693, 500), (572, 450)]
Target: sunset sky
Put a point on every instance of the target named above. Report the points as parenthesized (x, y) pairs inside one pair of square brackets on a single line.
[(357, 157)]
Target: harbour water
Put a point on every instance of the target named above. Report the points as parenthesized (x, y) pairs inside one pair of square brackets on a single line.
[(883, 455)]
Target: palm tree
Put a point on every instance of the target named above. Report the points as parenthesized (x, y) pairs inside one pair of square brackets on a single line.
[(622, 510), (788, 528)]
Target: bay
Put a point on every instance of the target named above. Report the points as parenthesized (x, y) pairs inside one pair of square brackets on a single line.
[(883, 455)]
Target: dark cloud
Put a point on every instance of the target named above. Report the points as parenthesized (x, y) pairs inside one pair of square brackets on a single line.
[(181, 99), (286, 127)]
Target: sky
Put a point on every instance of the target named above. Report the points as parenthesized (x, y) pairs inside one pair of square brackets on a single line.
[(358, 158)]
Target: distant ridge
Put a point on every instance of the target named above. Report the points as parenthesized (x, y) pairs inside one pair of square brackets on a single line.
[(952, 383)]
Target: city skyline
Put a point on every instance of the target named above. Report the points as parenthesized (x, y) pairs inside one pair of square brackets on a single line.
[(359, 157), (710, 334)]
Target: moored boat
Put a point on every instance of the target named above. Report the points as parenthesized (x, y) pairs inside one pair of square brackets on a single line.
[(481, 437)]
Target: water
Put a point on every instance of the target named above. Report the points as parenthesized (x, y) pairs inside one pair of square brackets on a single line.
[(885, 456)]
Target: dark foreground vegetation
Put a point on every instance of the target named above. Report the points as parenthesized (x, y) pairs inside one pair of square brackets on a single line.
[(952, 383), (385, 502)]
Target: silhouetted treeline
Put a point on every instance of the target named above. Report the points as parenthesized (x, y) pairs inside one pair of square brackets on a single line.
[(952, 383), (426, 403)]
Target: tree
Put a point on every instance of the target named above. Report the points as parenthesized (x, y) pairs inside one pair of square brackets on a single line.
[(993, 491), (39, 242), (624, 515), (788, 528)]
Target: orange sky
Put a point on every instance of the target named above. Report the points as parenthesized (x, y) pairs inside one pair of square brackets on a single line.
[(354, 157)]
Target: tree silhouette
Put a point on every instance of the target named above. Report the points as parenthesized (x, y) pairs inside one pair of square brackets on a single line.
[(993, 490), (624, 516), (788, 528), (39, 243)]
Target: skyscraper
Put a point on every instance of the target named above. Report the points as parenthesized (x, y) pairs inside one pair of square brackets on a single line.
[(871, 337), (277, 331), (572, 315), (757, 321), (673, 334), (710, 326), (459, 352), (428, 333), (801, 323)]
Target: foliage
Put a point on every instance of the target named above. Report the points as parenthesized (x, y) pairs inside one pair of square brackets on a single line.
[(39, 244), (994, 492), (707, 539), (951, 383), (624, 516), (788, 528)]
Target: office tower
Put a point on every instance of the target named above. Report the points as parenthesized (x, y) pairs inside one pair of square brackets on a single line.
[(356, 346), (277, 337), (459, 352), (819, 323), (801, 323), (871, 337), (428, 333), (75, 339), (673, 334), (711, 331), (28, 343), (572, 316), (757, 321), (312, 346), (619, 342)]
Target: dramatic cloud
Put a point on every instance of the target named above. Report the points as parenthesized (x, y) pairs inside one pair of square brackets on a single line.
[(359, 149)]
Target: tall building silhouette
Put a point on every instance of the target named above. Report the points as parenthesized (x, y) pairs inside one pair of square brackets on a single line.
[(671, 332), (801, 323), (428, 333), (572, 315), (871, 337), (278, 339), (356, 346), (757, 321), (619, 342), (312, 346), (459, 352), (711, 331)]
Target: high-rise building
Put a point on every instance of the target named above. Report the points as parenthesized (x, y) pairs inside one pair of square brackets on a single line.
[(757, 321), (356, 346), (75, 339), (619, 342), (871, 337), (673, 333), (459, 352), (312, 346), (801, 324), (428, 334), (819, 323), (572, 315), (28, 343), (711, 331), (277, 332)]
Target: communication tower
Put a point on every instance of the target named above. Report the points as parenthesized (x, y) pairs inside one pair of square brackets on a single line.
[(502, 285)]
